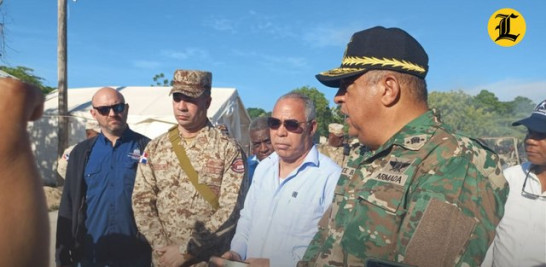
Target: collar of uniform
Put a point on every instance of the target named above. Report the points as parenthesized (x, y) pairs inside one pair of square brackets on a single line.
[(203, 131), (412, 136)]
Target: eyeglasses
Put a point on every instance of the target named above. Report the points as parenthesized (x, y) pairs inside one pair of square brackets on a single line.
[(105, 110), (290, 125), (528, 194)]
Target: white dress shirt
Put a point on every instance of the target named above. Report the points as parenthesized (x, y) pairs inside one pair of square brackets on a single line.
[(280, 218), (521, 234)]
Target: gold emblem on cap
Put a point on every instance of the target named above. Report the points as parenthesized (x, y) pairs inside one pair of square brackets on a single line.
[(383, 62), (348, 61)]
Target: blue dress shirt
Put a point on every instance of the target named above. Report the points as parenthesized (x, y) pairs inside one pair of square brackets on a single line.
[(252, 162), (110, 177), (279, 219)]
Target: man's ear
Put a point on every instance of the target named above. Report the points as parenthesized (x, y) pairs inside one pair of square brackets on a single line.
[(313, 125), (391, 90), (93, 113)]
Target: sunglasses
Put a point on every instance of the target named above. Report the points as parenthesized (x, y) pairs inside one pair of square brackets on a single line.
[(177, 97), (526, 193), (105, 110), (290, 125)]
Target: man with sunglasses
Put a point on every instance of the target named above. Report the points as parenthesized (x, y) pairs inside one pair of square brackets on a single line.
[(419, 194), (96, 226), (521, 234), (290, 191), (187, 187)]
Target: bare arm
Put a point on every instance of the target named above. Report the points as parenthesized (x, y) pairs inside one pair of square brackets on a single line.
[(24, 225)]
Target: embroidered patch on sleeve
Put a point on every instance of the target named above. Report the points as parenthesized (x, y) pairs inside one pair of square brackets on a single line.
[(238, 166), (143, 158)]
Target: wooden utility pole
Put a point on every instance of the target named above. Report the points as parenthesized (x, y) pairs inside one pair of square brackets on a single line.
[(62, 131)]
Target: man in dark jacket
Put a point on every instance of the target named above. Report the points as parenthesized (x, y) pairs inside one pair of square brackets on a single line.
[(96, 226)]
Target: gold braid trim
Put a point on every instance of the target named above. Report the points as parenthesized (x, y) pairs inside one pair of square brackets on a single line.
[(384, 61), (340, 71)]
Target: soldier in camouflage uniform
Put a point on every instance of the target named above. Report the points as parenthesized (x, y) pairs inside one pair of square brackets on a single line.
[(169, 210), (334, 148), (420, 195)]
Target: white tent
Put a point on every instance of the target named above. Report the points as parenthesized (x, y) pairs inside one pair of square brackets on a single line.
[(150, 113)]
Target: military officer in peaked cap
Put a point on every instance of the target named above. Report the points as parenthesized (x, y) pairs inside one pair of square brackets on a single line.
[(421, 195)]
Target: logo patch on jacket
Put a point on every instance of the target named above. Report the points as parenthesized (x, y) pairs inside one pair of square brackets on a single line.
[(238, 166), (135, 155)]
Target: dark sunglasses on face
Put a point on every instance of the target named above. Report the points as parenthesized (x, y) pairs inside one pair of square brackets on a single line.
[(177, 97), (290, 125), (105, 110)]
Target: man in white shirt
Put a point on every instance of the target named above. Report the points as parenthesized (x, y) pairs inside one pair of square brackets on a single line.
[(291, 190), (521, 235)]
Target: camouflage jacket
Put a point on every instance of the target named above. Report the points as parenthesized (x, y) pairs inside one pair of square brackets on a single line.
[(427, 197), (167, 206), (335, 153)]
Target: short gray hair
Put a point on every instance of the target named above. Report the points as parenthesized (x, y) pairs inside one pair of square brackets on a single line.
[(258, 124), (310, 113)]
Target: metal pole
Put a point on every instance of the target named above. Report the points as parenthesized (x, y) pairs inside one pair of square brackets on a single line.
[(62, 133)]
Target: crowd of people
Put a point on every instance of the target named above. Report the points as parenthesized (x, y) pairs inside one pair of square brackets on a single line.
[(412, 192)]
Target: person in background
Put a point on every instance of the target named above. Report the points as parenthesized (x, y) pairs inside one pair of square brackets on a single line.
[(260, 142), (420, 194), (335, 148), (24, 223), (291, 190), (92, 129), (521, 234), (95, 225), (187, 186)]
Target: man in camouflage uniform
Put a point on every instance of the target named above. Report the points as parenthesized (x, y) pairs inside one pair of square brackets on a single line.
[(335, 146), (420, 195), (168, 208)]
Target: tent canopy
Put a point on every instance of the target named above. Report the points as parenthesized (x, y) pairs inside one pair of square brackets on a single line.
[(150, 113)]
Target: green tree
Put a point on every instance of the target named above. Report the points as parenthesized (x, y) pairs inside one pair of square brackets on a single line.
[(323, 111), (482, 115), (160, 80), (337, 116), (490, 103), (25, 74), (256, 112), (521, 106)]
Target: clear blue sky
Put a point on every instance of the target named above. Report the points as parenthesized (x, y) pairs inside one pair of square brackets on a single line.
[(266, 48)]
